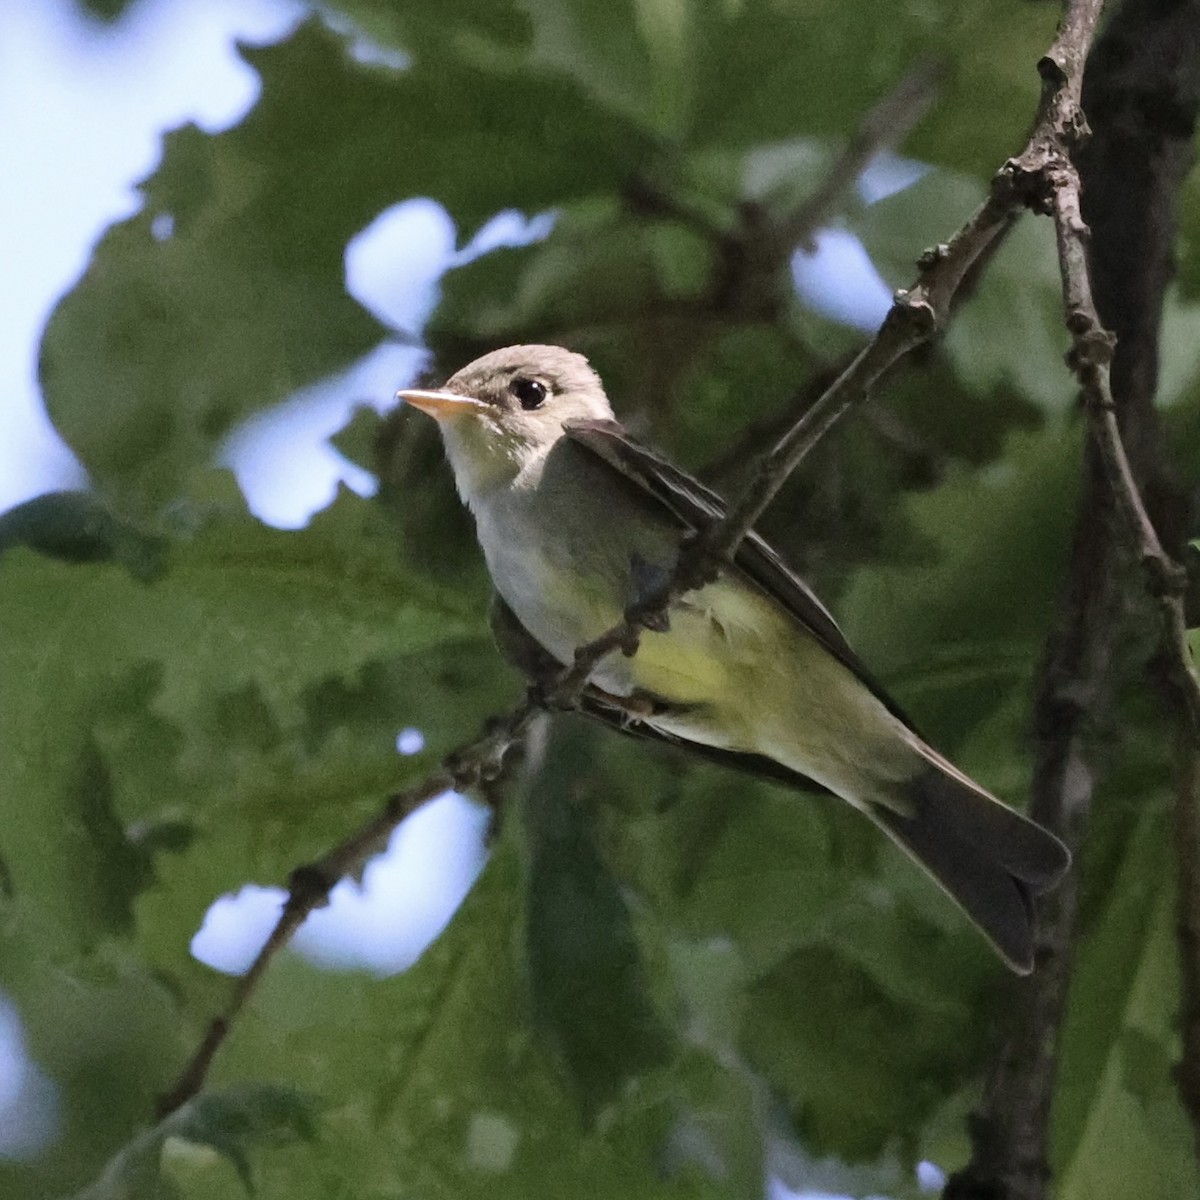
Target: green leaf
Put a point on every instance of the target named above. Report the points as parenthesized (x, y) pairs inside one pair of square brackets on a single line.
[(598, 268), (358, 439), (231, 1122), (587, 977), (781, 68), (1120, 1130), (105, 660), (101, 1033), (814, 906), (168, 341), (1189, 238), (853, 1087), (1179, 350), (434, 1081), (754, 372), (959, 596), (77, 527), (607, 49)]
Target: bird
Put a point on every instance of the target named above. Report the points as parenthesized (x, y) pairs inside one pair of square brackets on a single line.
[(577, 522)]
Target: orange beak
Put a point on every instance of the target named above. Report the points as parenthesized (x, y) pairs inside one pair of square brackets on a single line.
[(439, 405)]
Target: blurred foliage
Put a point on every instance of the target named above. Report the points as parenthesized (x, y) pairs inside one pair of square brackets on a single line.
[(107, 11), (668, 978)]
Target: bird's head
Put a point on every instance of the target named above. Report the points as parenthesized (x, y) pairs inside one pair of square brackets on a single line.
[(501, 414)]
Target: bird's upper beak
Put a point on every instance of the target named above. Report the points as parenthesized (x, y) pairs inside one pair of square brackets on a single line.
[(440, 405)]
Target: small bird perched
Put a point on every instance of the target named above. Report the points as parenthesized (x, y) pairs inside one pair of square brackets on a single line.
[(577, 522)]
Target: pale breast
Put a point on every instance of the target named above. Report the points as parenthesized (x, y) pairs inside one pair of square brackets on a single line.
[(576, 545)]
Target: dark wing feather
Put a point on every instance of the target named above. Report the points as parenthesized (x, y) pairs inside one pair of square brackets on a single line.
[(695, 507)]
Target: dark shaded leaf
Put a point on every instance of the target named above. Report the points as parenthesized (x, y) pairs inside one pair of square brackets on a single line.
[(78, 527), (587, 978)]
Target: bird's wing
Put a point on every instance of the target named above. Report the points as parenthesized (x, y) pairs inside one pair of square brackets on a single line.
[(523, 651), (695, 507)]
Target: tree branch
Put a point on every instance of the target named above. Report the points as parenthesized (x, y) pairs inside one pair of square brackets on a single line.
[(1131, 255), (1142, 95), (917, 315), (1090, 357)]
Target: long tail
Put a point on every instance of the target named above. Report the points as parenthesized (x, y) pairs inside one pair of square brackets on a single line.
[(990, 859)]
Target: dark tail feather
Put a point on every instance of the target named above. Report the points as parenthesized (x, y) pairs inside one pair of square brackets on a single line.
[(990, 859)]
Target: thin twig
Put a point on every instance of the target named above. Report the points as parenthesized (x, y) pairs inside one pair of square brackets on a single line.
[(1091, 354)]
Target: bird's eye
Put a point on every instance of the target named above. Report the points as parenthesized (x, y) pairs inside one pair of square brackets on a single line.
[(530, 392)]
